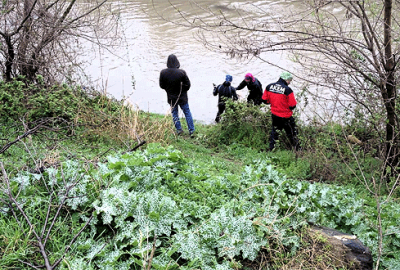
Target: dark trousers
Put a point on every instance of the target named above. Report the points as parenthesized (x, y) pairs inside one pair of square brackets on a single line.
[(287, 124), (221, 109)]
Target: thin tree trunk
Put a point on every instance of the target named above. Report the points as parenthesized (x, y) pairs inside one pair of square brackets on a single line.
[(389, 89), (25, 39), (9, 58)]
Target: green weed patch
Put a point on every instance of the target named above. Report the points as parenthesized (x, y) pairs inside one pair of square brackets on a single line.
[(157, 208)]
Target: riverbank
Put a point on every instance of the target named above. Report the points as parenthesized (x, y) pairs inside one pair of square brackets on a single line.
[(187, 184)]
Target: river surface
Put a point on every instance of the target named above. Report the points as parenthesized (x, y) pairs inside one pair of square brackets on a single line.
[(133, 70)]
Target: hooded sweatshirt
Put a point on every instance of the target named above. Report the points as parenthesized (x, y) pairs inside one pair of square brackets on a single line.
[(226, 91), (255, 89), (175, 82)]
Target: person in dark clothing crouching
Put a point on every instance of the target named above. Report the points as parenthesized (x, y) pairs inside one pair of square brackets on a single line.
[(283, 102), (224, 92), (255, 89), (176, 83)]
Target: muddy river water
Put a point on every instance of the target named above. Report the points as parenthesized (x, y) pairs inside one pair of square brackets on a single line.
[(148, 40)]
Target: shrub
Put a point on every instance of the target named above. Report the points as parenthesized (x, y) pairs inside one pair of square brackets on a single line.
[(33, 101), (244, 124)]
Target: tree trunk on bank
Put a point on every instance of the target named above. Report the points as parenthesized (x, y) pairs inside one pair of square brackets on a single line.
[(9, 58), (389, 91)]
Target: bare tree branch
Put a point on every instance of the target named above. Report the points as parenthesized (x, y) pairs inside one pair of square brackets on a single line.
[(35, 33), (38, 125), (41, 241)]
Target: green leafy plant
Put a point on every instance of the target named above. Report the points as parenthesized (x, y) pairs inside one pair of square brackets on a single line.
[(19, 98), (244, 124), (157, 210)]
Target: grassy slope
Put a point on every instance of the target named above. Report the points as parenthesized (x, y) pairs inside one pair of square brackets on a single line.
[(38, 150)]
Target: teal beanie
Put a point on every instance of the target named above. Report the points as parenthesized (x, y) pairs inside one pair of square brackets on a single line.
[(286, 76)]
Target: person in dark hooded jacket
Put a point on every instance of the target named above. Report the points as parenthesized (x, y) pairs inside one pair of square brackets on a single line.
[(255, 89), (224, 92), (176, 83)]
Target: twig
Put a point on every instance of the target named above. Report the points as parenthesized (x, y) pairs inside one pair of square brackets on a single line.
[(26, 134), (59, 209), (106, 152), (136, 147), (39, 124), (16, 218), (257, 185), (40, 241), (31, 265), (47, 216), (72, 242), (12, 200), (152, 252)]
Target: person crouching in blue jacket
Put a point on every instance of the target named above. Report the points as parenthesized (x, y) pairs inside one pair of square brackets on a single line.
[(224, 92)]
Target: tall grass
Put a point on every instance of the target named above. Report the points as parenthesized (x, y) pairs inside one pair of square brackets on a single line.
[(127, 125), (83, 123)]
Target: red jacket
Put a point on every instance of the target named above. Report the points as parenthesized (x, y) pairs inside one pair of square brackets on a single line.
[(281, 98)]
